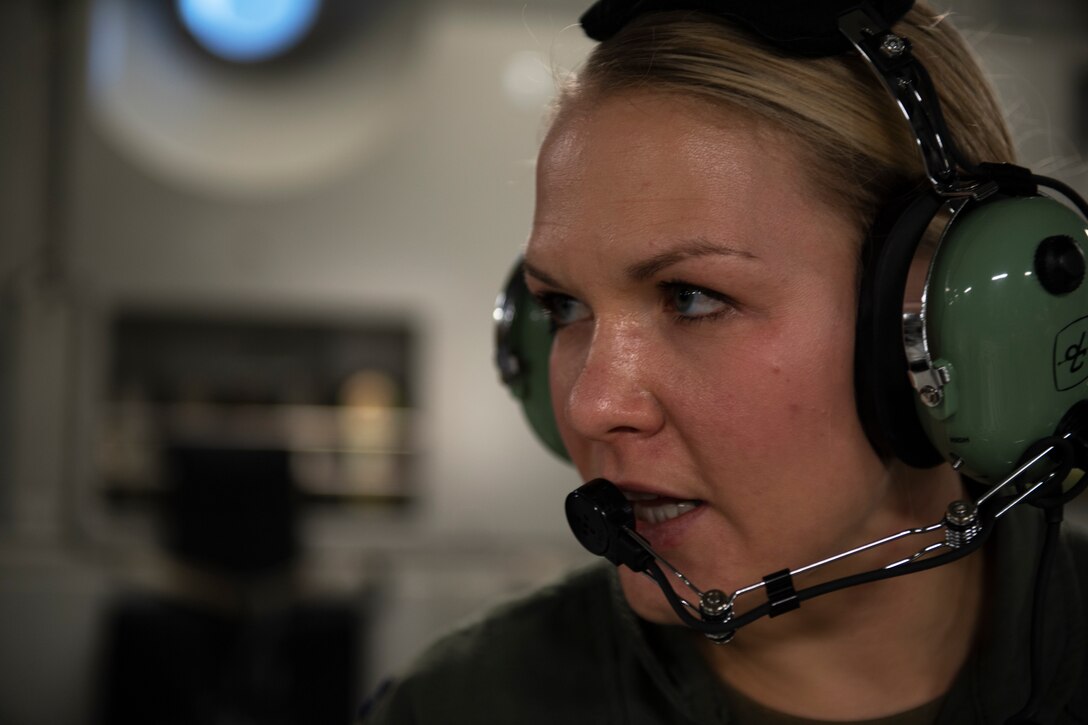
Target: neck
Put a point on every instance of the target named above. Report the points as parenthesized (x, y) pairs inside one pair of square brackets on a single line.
[(868, 651)]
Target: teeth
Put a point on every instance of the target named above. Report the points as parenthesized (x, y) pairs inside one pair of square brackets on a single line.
[(661, 512), (635, 496)]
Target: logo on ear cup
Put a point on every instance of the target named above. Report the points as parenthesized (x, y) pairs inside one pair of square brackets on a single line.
[(1071, 355)]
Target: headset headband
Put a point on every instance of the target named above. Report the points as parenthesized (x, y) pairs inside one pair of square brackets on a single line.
[(817, 28), (802, 27)]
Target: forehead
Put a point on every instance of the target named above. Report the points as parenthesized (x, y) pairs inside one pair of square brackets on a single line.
[(659, 167), (647, 127)]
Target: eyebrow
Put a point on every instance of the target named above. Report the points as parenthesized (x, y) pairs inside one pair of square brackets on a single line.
[(539, 274), (641, 271), (698, 247)]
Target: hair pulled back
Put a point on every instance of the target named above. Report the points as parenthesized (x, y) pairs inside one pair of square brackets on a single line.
[(859, 148)]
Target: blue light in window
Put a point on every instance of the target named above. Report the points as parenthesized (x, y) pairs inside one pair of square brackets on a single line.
[(247, 31)]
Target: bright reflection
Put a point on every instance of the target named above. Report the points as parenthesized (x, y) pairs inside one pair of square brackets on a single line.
[(1000, 276), (527, 79), (248, 30)]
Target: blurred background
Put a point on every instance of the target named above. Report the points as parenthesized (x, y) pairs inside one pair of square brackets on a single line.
[(253, 453)]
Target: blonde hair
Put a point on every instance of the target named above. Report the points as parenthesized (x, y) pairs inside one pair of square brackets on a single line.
[(859, 146)]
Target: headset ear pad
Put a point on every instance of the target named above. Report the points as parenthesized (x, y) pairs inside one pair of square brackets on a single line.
[(523, 345), (885, 399)]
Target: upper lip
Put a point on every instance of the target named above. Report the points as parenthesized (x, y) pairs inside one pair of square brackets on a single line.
[(631, 487)]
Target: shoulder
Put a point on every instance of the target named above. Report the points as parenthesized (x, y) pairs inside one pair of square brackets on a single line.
[(551, 621), (1075, 543), (1075, 539), (1075, 535), (537, 652)]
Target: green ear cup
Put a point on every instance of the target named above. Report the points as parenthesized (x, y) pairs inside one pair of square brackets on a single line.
[(523, 343), (1006, 326)]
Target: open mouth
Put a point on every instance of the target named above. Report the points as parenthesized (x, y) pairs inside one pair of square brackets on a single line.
[(654, 509)]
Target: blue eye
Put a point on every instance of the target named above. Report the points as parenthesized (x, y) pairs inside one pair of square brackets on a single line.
[(691, 302), (563, 309)]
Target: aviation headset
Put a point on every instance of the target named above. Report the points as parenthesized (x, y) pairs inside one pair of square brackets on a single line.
[(992, 357)]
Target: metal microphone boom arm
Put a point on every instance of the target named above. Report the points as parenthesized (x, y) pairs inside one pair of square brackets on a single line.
[(602, 520)]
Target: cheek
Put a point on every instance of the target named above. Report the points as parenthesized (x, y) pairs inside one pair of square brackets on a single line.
[(787, 387)]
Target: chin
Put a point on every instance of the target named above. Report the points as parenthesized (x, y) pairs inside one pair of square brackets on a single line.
[(645, 598)]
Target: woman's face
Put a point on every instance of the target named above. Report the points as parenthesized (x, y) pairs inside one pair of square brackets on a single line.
[(704, 298)]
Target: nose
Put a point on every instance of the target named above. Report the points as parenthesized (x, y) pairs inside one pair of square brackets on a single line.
[(611, 393)]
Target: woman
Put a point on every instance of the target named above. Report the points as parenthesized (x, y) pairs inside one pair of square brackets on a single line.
[(702, 206)]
